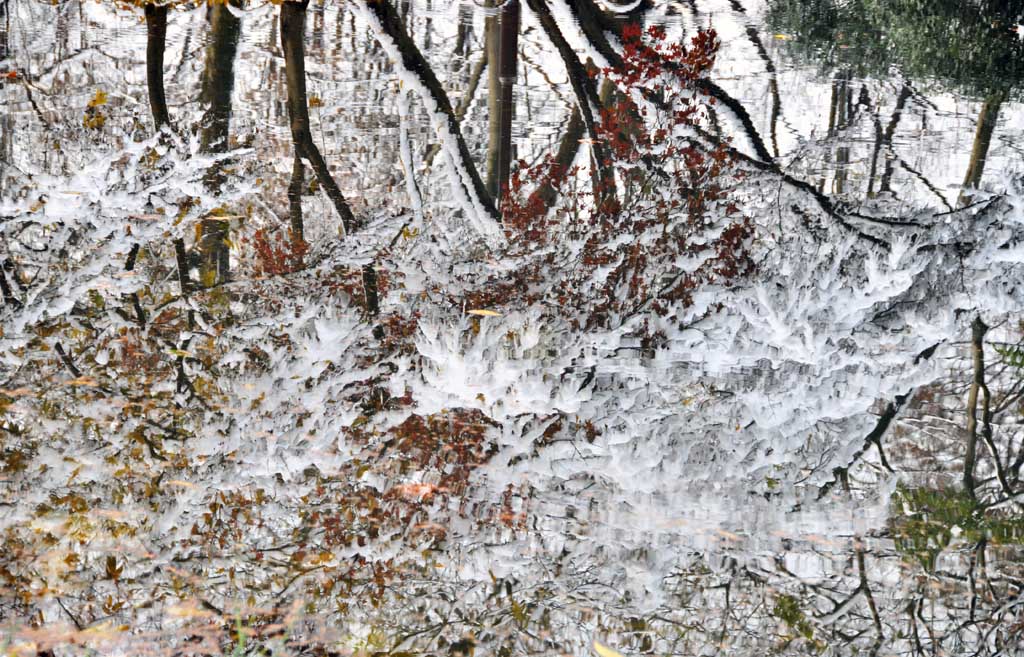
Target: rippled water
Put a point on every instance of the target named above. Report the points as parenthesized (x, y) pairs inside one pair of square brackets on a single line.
[(778, 469)]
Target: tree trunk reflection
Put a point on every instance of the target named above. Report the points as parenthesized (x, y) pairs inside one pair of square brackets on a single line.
[(293, 16), (217, 86), (156, 41), (502, 50), (987, 120)]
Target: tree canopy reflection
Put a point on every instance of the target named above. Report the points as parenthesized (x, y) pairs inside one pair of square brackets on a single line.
[(315, 343)]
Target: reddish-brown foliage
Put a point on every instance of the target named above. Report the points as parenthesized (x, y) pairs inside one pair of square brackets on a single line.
[(276, 255), (611, 249)]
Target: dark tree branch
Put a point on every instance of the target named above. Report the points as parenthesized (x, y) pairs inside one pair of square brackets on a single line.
[(866, 588), (594, 30), (67, 360), (978, 385), (182, 261), (156, 39), (412, 61), (741, 114), (8, 294), (585, 89), (892, 409), (293, 19), (293, 16), (463, 106), (773, 82), (887, 136)]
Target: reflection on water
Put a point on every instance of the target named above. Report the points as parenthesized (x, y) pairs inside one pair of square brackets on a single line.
[(916, 89), (406, 327)]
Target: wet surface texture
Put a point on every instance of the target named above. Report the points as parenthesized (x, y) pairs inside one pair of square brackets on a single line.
[(549, 327)]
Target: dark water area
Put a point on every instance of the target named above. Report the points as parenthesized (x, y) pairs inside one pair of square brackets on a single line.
[(548, 327)]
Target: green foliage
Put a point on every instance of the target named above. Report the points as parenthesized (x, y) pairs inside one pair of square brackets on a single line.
[(965, 46), (1013, 355), (787, 609), (926, 520)]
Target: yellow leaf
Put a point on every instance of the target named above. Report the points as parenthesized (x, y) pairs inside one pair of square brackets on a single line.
[(99, 99), (483, 313), (605, 651), (727, 535), (82, 381), (783, 37), (178, 482), (189, 610)]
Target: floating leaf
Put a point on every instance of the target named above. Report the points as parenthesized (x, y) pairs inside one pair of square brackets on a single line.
[(179, 482), (82, 381), (99, 99), (113, 570), (605, 651)]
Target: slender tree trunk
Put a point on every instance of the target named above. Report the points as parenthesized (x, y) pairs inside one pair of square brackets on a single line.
[(293, 15), (413, 62), (978, 330), (181, 259), (982, 140), (586, 99), (8, 293), (213, 253), (295, 188), (219, 76), (874, 156), (833, 105), (5, 26), (503, 50), (842, 152), (156, 42), (464, 32), (318, 25), (217, 86), (464, 103), (428, 28), (890, 131)]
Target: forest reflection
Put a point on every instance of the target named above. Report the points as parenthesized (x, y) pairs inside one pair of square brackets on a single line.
[(974, 49), (515, 327)]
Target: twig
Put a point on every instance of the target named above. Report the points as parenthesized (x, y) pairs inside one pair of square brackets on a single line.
[(67, 360)]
